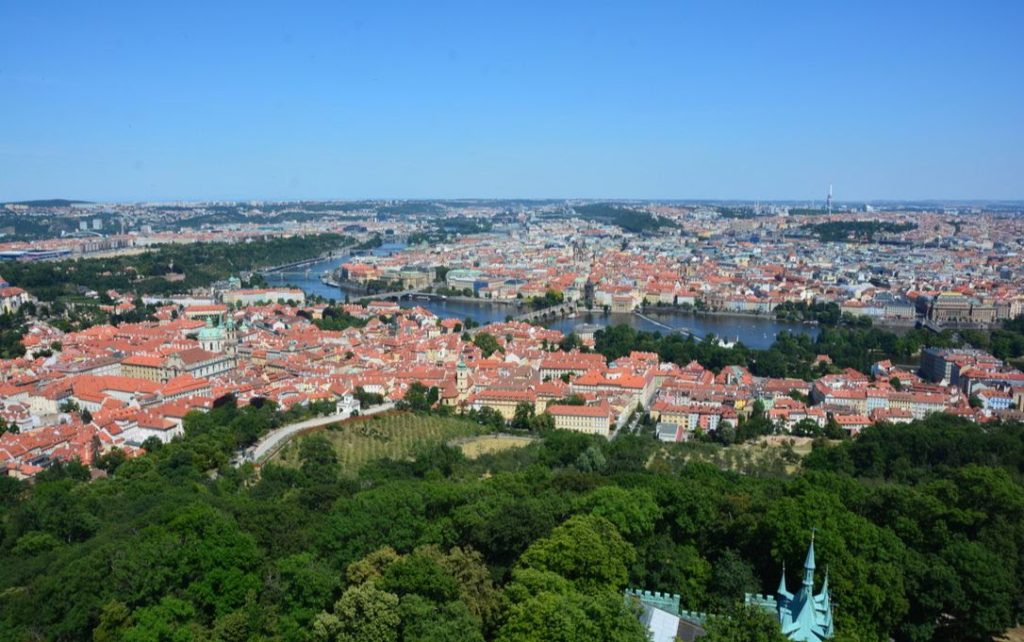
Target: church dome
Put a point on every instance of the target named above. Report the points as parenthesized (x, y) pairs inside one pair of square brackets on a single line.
[(210, 332)]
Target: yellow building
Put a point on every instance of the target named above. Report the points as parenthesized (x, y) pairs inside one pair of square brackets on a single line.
[(143, 366), (504, 401), (592, 420)]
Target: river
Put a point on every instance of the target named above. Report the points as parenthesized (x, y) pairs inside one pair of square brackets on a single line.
[(755, 332)]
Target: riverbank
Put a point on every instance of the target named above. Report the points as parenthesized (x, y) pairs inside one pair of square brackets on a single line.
[(356, 290), (895, 325), (337, 253), (718, 313), (463, 299), (755, 331)]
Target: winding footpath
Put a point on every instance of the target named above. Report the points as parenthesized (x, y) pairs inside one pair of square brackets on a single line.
[(271, 441)]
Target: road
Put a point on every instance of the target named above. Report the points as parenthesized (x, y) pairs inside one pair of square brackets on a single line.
[(275, 438), (629, 426)]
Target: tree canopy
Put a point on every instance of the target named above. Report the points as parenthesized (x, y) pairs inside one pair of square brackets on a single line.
[(921, 527)]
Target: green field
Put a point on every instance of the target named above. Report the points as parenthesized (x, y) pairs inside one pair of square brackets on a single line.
[(475, 447), (392, 436)]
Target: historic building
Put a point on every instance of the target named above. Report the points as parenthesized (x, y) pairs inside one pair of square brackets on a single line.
[(803, 616)]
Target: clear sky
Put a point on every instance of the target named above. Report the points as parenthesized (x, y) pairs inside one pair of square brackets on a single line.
[(622, 99)]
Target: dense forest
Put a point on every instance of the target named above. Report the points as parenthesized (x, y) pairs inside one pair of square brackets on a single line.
[(629, 219), (856, 231), (737, 212), (336, 319), (17, 227), (921, 526), (12, 328), (1006, 342), (199, 263), (442, 230), (818, 312)]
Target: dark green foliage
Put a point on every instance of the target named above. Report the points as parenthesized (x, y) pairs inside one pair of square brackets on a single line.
[(419, 398), (409, 208), (731, 575), (571, 342), (823, 313), (319, 461), (369, 244), (921, 526), (487, 416), (525, 418), (201, 263), (12, 328), (444, 229), (26, 228), (550, 299), (856, 231), (744, 624), (335, 318), (561, 614), (849, 344), (619, 340), (367, 399), (629, 219), (925, 449), (1006, 342), (463, 225), (737, 212), (487, 343)]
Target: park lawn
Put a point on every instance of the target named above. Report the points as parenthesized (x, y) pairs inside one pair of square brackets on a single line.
[(474, 447), (399, 435)]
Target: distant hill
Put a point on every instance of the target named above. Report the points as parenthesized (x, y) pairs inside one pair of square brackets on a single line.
[(52, 202), (629, 219)]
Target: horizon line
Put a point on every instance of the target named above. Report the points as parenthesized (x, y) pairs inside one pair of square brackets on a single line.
[(118, 201)]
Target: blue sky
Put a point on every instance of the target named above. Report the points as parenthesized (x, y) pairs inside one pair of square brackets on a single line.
[(749, 100)]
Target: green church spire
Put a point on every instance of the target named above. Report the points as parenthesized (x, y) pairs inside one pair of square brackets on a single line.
[(809, 565), (803, 616), (782, 582)]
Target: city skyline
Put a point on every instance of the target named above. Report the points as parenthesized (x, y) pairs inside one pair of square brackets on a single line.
[(660, 101), (512, 322)]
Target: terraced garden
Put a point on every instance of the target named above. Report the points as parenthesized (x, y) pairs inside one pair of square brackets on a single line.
[(391, 436)]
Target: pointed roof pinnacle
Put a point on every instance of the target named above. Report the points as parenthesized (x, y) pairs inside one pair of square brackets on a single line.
[(809, 562), (808, 583)]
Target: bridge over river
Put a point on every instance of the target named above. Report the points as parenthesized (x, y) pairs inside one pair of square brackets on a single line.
[(545, 314), (683, 331), (396, 295)]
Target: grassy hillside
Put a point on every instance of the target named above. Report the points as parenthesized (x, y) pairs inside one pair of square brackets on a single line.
[(395, 436)]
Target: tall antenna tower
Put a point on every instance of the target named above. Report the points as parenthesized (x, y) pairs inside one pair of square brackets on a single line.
[(828, 201)]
